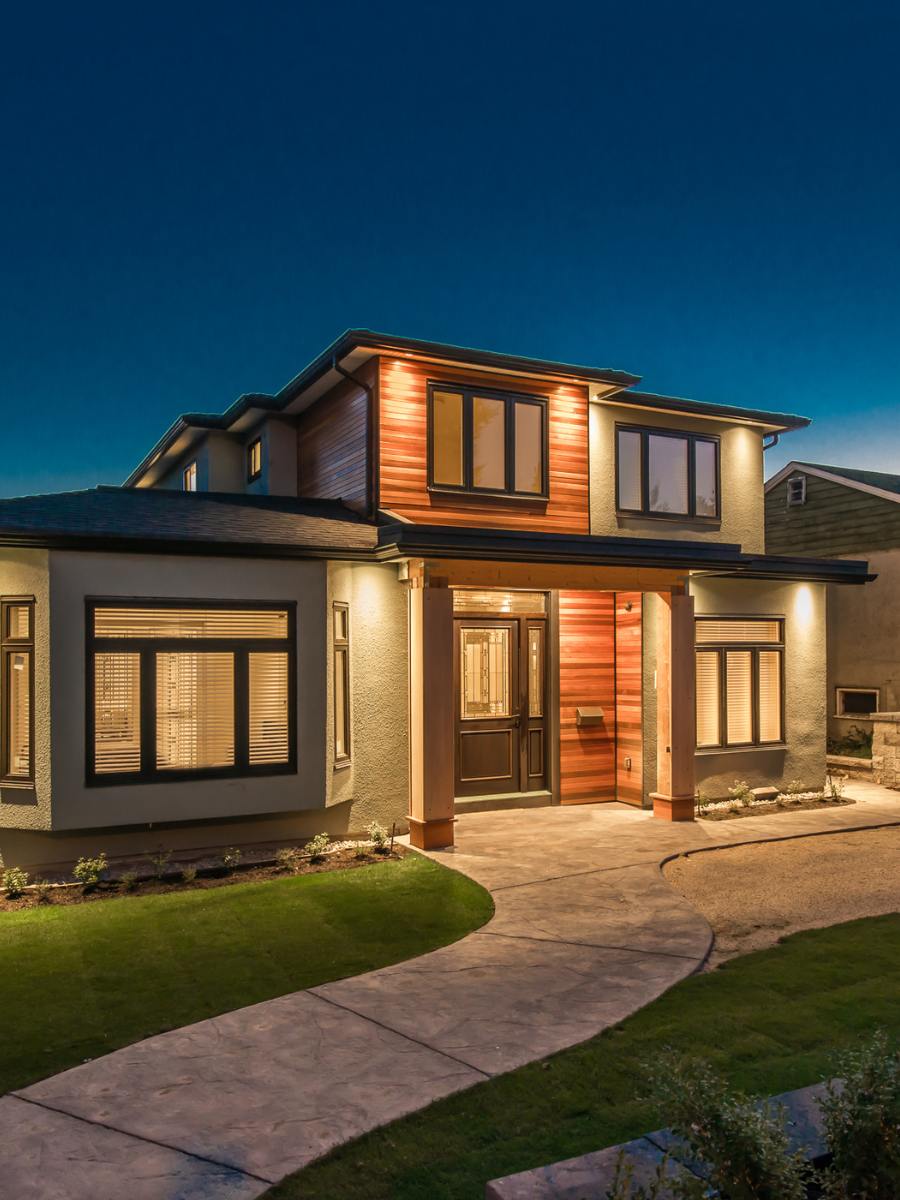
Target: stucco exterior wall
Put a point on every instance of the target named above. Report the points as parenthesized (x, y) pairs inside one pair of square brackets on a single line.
[(741, 468), (376, 780), (74, 576), (803, 607), (220, 466), (279, 459), (26, 573), (864, 639)]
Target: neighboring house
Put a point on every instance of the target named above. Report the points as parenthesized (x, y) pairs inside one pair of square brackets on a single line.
[(843, 512), (418, 580)]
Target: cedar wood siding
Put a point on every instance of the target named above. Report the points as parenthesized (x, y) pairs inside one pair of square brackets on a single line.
[(332, 444), (629, 737), (403, 390), (835, 520), (587, 754)]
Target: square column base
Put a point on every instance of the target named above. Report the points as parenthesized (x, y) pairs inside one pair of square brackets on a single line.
[(672, 808), (431, 835)]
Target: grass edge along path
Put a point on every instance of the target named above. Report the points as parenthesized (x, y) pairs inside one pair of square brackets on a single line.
[(78, 981), (771, 1021)]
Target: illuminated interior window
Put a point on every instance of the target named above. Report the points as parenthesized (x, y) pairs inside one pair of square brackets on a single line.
[(215, 697), (189, 478), (487, 442), (740, 681), (475, 600), (254, 460), (485, 672), (667, 474), (341, 618), (17, 654), (536, 671)]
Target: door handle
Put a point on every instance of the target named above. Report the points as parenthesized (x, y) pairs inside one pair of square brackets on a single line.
[(517, 719)]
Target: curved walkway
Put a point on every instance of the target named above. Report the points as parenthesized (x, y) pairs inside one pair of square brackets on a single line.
[(586, 931)]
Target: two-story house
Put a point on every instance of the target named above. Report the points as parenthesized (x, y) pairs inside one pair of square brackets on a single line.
[(418, 580)]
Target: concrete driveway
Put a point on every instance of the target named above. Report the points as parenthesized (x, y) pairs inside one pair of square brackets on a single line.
[(586, 931)]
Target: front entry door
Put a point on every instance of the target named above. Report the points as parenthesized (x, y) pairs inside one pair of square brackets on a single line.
[(499, 687)]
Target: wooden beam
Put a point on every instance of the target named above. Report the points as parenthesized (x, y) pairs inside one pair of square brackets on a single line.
[(431, 716), (547, 576), (673, 799)]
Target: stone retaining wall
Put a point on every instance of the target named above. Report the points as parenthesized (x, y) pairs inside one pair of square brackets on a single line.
[(886, 748)]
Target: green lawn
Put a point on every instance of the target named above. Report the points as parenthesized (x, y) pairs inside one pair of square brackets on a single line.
[(771, 1021), (81, 980)]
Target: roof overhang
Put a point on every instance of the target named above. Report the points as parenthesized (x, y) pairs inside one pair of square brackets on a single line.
[(799, 468), (765, 421)]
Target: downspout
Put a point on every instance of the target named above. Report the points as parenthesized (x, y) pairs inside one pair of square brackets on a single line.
[(371, 438), (773, 443)]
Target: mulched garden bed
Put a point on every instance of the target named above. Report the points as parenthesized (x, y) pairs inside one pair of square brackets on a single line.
[(341, 859), (768, 807)]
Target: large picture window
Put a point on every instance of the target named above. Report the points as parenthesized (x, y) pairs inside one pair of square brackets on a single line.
[(740, 681), (483, 441), (181, 689), (17, 665), (667, 474)]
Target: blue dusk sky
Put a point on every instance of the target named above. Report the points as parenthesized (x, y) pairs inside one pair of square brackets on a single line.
[(197, 198)]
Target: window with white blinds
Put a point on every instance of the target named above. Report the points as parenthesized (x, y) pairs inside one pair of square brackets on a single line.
[(739, 681), (17, 656), (179, 690)]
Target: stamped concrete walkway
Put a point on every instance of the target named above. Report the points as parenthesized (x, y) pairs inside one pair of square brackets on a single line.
[(586, 931)]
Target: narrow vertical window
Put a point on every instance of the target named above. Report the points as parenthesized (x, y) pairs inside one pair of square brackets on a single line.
[(708, 706), (529, 447), (535, 670), (447, 438), (341, 618), (117, 713), (189, 478), (254, 460), (629, 470), (17, 653), (268, 689), (488, 443)]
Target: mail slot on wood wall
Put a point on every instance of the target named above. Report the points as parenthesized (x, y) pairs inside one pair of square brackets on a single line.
[(588, 716)]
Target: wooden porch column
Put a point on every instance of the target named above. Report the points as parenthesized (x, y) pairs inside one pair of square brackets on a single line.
[(430, 714), (676, 716)]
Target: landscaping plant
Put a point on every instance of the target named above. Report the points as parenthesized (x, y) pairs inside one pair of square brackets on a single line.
[(862, 1124), (378, 836), (188, 874), (128, 881), (89, 871), (317, 847), (42, 889), (231, 859), (741, 793), (159, 862), (288, 858), (15, 881)]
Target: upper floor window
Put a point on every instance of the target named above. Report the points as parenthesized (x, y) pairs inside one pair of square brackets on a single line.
[(189, 478), (254, 460), (181, 689), (796, 490), (482, 441), (667, 474), (17, 655)]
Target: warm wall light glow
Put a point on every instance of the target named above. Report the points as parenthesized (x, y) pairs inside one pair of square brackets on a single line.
[(803, 604)]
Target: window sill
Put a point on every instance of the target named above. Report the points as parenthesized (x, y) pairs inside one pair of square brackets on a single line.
[(487, 497), (670, 518), (854, 716), (708, 751), (342, 764)]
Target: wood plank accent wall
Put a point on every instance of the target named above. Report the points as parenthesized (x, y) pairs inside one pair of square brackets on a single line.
[(587, 755), (403, 453), (629, 739), (332, 444)]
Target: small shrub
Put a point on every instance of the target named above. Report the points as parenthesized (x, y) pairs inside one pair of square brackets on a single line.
[(188, 874), (89, 871), (742, 793), (317, 847), (128, 881), (288, 858), (862, 1124), (834, 787), (15, 881), (742, 1147), (378, 836), (43, 890), (703, 802), (794, 788), (159, 862), (362, 850), (231, 859)]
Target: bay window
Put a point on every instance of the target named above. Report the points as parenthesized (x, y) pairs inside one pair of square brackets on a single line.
[(186, 689), (485, 441), (739, 681), (663, 473), (17, 658)]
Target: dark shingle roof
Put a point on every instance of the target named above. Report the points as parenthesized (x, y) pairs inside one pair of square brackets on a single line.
[(879, 479), (204, 522)]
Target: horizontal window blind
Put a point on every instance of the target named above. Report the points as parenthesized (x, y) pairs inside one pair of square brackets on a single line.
[(190, 623), (117, 713), (737, 630), (269, 741), (770, 696), (194, 711), (708, 714), (18, 702)]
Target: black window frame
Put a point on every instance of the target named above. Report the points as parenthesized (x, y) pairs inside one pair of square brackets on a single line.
[(646, 431), (8, 646), (511, 399), (147, 648), (252, 475), (191, 466), (340, 648), (755, 647)]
